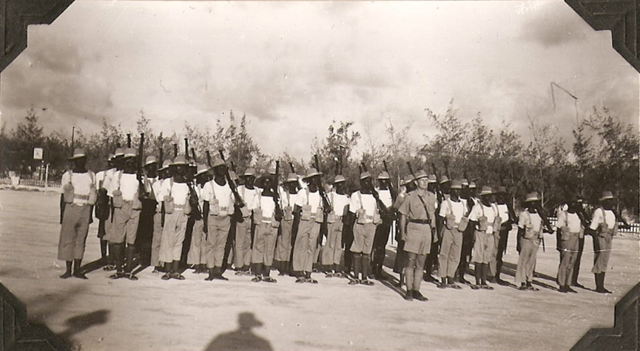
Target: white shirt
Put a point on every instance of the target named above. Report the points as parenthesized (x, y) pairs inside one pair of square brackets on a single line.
[(268, 208), (571, 220), (128, 185), (82, 184), (313, 200), (503, 212), (339, 203), (364, 201), (456, 207), (385, 197), (178, 191), (480, 210), (601, 215), (108, 180), (100, 179), (536, 221), (249, 196), (287, 199), (223, 194)]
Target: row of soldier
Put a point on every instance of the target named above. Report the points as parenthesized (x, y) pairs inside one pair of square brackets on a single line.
[(264, 224)]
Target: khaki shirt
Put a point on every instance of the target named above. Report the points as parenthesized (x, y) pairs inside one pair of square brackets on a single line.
[(413, 208)]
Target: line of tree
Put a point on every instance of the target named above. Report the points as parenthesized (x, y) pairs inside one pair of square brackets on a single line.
[(603, 154)]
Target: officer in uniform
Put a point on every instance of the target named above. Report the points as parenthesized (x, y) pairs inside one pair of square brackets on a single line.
[(78, 195), (416, 229), (408, 185), (218, 208), (283, 242)]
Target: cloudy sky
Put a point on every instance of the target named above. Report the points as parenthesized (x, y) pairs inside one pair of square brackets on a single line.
[(293, 67)]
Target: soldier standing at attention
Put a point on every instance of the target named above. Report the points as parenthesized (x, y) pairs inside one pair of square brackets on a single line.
[(176, 211), (569, 227), (236, 216), (218, 209), (382, 229), (508, 218), (242, 249), (587, 223), (467, 197), (103, 208), (126, 215), (78, 195), (604, 226), (416, 214), (110, 177), (452, 216), (332, 251), (408, 185), (484, 216), (530, 235), (432, 255), (144, 237), (283, 242), (267, 217), (196, 255), (164, 173), (363, 205), (309, 206)]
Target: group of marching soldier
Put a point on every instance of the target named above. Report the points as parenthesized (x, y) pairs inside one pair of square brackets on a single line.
[(147, 207)]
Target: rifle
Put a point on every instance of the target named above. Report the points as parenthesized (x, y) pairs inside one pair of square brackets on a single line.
[(326, 204), (186, 148), (232, 185), (384, 211), (391, 190), (276, 194), (438, 192), (160, 161), (175, 150), (293, 170), (128, 140), (208, 158), (142, 192)]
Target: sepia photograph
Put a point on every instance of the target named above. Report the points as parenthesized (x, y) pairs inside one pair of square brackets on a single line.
[(316, 175)]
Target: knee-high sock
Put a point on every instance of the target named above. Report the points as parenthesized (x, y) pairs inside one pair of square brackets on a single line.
[(478, 269), (366, 264), (357, 265)]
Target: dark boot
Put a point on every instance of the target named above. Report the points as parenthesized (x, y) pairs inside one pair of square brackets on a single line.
[(67, 273), (130, 251), (257, 271), (175, 267), (77, 271), (111, 258), (600, 284), (408, 275), (443, 283), (103, 250), (118, 255), (357, 268), (211, 276), (478, 274), (366, 265)]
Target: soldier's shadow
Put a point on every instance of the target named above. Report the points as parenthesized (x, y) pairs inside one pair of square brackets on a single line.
[(78, 324), (241, 339)]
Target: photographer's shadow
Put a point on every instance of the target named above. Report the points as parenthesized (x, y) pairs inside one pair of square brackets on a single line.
[(241, 339)]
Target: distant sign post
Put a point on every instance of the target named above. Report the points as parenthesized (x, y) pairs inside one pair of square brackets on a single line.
[(37, 153)]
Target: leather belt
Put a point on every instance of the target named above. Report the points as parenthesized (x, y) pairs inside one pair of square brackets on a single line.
[(420, 221)]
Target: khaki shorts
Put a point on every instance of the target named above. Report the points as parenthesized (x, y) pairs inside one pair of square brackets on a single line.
[(418, 238)]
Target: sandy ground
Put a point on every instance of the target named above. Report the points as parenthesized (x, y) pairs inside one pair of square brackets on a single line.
[(151, 314)]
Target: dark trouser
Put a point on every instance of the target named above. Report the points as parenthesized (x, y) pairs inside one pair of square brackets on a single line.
[(380, 245), (186, 245), (576, 264), (401, 258), (144, 234), (502, 247), (347, 237), (229, 244), (468, 239), (432, 257)]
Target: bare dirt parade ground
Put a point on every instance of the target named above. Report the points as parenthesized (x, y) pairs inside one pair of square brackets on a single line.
[(151, 314)]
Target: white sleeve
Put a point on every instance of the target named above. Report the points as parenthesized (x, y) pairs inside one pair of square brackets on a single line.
[(597, 219)]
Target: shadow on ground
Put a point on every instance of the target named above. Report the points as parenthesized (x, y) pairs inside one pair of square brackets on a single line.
[(80, 323), (241, 339)]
